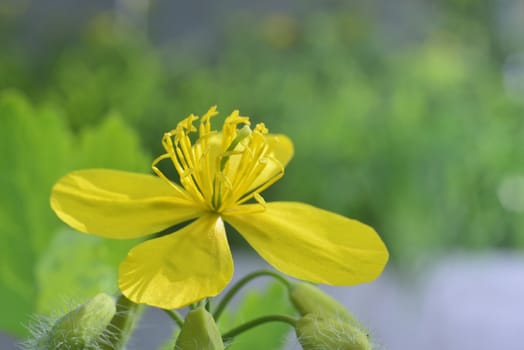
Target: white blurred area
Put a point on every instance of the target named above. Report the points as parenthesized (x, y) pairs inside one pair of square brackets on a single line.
[(462, 302)]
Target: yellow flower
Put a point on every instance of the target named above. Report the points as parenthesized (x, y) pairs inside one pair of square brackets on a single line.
[(221, 177)]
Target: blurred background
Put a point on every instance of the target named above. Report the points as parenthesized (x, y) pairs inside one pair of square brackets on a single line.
[(406, 115)]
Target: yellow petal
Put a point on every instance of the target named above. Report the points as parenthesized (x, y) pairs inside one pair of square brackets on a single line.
[(313, 244), (118, 204), (180, 268), (283, 147)]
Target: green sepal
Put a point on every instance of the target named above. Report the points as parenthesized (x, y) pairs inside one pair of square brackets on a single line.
[(316, 332), (309, 299), (200, 332)]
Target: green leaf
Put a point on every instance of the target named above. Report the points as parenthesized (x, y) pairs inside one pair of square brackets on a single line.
[(77, 266), (38, 148)]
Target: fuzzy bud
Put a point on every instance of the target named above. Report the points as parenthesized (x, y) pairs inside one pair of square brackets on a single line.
[(309, 299), (81, 328), (199, 332), (317, 333)]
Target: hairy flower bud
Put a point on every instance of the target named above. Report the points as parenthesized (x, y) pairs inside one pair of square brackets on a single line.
[(309, 299), (317, 333), (81, 328), (199, 332)]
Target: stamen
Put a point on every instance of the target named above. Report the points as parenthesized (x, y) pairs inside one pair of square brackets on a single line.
[(160, 174), (252, 166), (246, 209), (263, 186), (241, 134), (205, 124), (260, 199), (229, 130), (226, 177)]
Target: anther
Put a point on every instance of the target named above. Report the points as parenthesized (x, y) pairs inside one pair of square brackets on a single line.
[(241, 135)]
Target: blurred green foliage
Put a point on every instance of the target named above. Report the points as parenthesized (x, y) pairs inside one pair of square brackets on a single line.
[(414, 140), (37, 269)]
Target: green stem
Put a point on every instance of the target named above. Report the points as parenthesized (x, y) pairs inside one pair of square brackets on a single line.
[(243, 281), (257, 322), (175, 316), (122, 324)]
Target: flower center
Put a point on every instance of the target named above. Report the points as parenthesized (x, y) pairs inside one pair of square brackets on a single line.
[(221, 170)]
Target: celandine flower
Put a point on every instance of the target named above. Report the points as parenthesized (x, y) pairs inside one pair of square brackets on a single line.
[(221, 177)]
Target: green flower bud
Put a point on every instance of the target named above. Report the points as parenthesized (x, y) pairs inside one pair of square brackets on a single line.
[(317, 333), (309, 299), (81, 328), (200, 332)]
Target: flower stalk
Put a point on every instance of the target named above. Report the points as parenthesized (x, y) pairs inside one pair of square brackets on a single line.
[(122, 324), (229, 335), (241, 283)]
